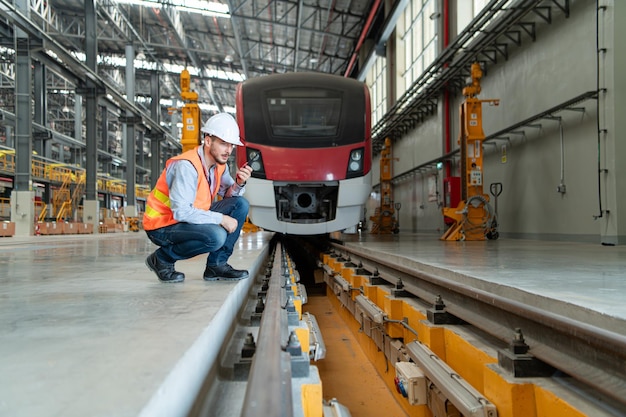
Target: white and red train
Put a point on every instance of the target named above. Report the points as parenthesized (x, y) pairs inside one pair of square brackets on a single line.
[(307, 137)]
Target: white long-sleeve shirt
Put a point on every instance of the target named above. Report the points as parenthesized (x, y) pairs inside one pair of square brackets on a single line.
[(182, 181)]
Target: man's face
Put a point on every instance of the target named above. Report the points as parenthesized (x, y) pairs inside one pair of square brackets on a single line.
[(218, 149)]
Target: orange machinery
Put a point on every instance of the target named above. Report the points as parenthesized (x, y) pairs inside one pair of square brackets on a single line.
[(473, 218), (190, 113), (384, 220)]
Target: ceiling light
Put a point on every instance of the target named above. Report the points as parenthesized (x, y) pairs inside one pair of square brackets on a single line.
[(202, 7), (65, 109)]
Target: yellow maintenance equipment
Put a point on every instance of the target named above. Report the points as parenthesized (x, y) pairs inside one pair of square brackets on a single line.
[(133, 224), (473, 217), (384, 220), (65, 201), (249, 227), (190, 113)]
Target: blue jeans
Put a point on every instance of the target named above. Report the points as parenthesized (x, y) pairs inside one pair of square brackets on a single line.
[(186, 240)]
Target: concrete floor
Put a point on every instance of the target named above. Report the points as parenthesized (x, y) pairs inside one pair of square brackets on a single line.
[(87, 330)]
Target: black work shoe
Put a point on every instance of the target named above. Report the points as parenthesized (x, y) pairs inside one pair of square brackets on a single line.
[(165, 272), (224, 272)]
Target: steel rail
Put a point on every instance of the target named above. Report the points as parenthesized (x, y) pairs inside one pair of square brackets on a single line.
[(268, 392), (592, 355)]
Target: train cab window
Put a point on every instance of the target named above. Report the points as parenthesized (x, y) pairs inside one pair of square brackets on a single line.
[(304, 112)]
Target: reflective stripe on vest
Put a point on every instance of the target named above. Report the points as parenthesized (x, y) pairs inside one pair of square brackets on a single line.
[(160, 196)]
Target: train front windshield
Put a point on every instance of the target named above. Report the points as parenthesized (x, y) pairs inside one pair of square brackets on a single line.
[(305, 116), (304, 113)]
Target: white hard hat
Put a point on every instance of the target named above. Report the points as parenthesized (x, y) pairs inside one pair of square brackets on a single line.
[(223, 126)]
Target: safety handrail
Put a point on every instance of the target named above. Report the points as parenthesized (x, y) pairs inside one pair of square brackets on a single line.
[(41, 168)]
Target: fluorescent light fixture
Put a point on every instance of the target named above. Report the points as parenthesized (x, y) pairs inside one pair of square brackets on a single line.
[(372, 310), (459, 392), (334, 408), (301, 288), (203, 7), (345, 285), (120, 62), (317, 347)]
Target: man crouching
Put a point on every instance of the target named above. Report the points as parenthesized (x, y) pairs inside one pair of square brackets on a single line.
[(181, 215)]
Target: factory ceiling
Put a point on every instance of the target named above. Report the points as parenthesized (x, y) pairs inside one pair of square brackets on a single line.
[(221, 42)]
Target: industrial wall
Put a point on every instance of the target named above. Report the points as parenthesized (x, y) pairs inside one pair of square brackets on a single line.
[(537, 161)]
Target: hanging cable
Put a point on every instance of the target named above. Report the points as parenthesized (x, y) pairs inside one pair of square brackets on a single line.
[(599, 131)]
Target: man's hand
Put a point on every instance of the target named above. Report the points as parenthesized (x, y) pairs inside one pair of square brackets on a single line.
[(243, 174), (229, 223)]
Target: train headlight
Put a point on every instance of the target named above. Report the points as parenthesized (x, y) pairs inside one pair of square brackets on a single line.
[(256, 162), (355, 164)]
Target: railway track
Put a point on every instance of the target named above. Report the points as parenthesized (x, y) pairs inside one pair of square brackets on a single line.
[(267, 363), (534, 341), (265, 366)]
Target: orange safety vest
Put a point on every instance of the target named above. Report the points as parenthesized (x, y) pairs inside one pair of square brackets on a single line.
[(158, 210)]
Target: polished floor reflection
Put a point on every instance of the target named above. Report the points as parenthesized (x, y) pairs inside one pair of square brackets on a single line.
[(88, 330)]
